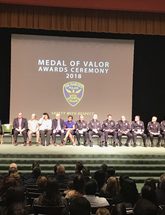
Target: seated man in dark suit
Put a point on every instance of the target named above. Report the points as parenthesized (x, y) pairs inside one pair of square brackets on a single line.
[(163, 129), (58, 128), (20, 126)]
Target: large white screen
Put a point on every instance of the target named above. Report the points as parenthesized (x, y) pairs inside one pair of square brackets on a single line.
[(71, 76)]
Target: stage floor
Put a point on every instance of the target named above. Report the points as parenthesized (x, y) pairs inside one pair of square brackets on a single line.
[(69, 149)]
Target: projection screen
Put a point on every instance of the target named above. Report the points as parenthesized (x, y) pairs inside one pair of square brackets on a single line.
[(71, 75)]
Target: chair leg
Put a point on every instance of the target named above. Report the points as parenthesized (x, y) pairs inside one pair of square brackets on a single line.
[(1, 139)]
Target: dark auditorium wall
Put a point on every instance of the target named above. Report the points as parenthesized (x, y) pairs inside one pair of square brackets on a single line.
[(149, 77), (4, 76), (148, 80)]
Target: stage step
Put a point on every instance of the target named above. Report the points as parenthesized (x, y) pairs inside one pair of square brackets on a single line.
[(134, 167), (92, 166), (110, 161), (138, 163)]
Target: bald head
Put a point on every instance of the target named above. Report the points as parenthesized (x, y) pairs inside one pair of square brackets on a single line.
[(12, 168), (13, 165), (154, 119), (123, 118), (95, 116), (58, 116), (20, 115), (33, 116)]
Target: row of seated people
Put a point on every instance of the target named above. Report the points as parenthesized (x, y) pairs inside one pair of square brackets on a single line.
[(45, 127), (83, 194)]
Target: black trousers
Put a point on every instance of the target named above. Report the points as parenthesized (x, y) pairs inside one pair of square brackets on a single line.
[(24, 134), (59, 133), (1, 131), (78, 136), (144, 137), (45, 136), (106, 133), (151, 136), (129, 137), (163, 135), (100, 134)]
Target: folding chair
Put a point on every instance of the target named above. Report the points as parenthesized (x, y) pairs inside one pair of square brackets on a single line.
[(7, 132)]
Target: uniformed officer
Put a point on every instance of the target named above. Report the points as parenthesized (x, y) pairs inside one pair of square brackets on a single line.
[(163, 128), (109, 128), (81, 129), (137, 128), (154, 130), (95, 128), (123, 128), (1, 133)]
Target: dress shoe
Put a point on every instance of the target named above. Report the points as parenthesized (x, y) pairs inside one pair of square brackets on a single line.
[(63, 142), (114, 144)]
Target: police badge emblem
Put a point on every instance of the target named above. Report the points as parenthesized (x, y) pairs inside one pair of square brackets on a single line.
[(73, 92)]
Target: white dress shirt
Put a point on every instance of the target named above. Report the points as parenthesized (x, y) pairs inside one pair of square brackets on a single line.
[(45, 124), (96, 201), (33, 125)]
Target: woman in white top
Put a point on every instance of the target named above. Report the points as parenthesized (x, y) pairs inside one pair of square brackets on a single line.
[(90, 194), (45, 129)]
